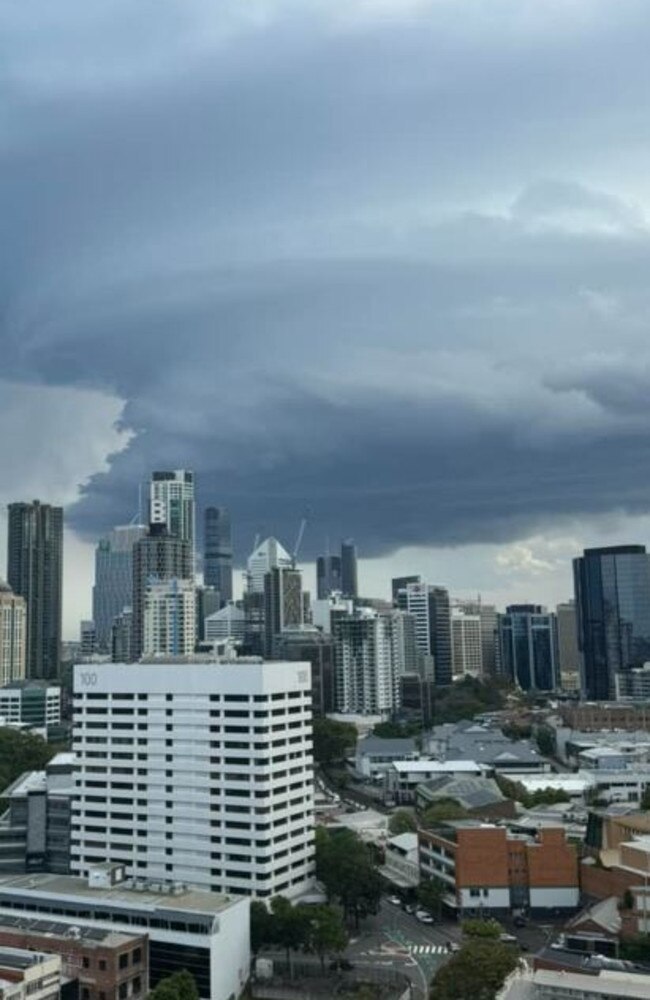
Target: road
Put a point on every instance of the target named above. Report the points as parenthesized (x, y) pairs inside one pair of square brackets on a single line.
[(395, 938)]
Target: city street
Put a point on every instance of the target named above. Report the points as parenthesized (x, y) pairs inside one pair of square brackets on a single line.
[(398, 939)]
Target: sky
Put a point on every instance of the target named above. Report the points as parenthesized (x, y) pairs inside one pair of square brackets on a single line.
[(380, 262)]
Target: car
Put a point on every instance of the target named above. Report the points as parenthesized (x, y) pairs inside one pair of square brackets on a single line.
[(453, 946), (395, 900), (508, 939), (410, 907), (519, 921), (424, 917)]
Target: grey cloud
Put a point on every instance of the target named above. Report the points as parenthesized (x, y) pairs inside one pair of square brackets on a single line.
[(303, 249)]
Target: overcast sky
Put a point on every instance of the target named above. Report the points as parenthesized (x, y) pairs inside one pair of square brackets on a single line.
[(383, 260)]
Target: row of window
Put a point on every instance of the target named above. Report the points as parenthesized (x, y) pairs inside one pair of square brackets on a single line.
[(230, 698)]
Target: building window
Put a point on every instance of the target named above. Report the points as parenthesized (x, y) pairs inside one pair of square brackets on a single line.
[(124, 960), (85, 962), (102, 965)]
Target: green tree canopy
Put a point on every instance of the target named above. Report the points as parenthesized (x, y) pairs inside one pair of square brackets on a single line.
[(545, 739), (431, 893), (178, 986), (482, 928), (402, 821), (477, 971), (468, 697), (346, 867), (20, 752), (262, 926), (327, 934), (397, 730), (442, 811), (333, 740)]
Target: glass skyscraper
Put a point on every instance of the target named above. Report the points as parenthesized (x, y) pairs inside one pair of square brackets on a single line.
[(528, 647), (112, 592), (612, 592), (217, 560)]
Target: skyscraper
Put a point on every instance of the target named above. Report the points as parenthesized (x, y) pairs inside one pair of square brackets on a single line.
[(612, 592), (35, 572), (431, 609), (328, 576), (113, 579), (157, 557), (171, 496), (12, 635), (262, 560), (568, 655), (169, 618), (528, 647), (217, 561), (283, 607), (349, 581), (467, 651), (372, 650)]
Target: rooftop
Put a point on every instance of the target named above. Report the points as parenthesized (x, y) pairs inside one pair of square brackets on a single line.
[(441, 766), (377, 745), (89, 934), (43, 885), (470, 791), (20, 958)]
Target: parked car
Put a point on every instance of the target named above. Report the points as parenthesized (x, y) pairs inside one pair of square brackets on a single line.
[(395, 900), (424, 917), (519, 921), (508, 939)]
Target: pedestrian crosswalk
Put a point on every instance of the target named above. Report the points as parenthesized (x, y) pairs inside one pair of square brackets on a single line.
[(427, 949)]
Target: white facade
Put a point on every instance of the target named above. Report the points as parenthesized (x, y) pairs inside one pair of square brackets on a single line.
[(484, 898), (171, 502), (367, 670), (31, 704), (169, 618), (558, 896), (416, 601), (228, 623), (323, 607), (203, 771), (267, 556), (562, 984), (214, 927), (466, 643), (13, 617)]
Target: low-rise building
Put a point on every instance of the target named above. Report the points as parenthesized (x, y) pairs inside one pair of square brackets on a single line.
[(203, 932), (31, 703), (35, 828), (107, 964), (491, 869), (401, 867), (404, 776), (28, 974), (548, 984), (374, 755), (479, 796)]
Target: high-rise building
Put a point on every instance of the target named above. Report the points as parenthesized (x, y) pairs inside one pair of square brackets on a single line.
[(349, 578), (219, 795), (122, 637), (528, 647), (401, 583), (489, 633), (431, 610), (265, 557), (282, 604), (157, 557), (169, 618), (308, 644), (467, 649), (171, 502), (372, 650), (328, 576), (228, 622), (208, 601), (87, 639), (35, 572), (217, 560), (13, 617), (612, 592), (113, 579), (568, 655)]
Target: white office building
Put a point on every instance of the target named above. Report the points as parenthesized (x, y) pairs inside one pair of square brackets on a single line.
[(466, 644), (372, 650), (227, 623), (169, 618), (196, 773), (265, 557), (13, 624)]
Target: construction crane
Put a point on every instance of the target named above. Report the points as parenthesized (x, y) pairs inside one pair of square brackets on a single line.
[(296, 548)]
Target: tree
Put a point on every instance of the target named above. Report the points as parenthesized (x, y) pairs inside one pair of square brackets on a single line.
[(396, 730), (402, 821), (482, 928), (179, 986), (645, 799), (431, 894), (442, 811), (262, 929), (345, 866), (20, 752), (478, 971), (290, 926), (546, 743), (333, 740), (326, 935)]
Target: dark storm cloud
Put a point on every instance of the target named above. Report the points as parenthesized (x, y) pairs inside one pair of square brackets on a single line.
[(383, 262)]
